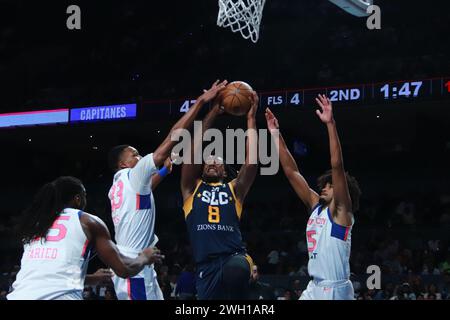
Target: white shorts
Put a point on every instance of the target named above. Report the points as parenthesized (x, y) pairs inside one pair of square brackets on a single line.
[(71, 296), (143, 286), (329, 290)]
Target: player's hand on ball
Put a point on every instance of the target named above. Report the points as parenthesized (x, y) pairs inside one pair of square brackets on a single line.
[(255, 101), (327, 109), (153, 255), (217, 105), (212, 92), (272, 121)]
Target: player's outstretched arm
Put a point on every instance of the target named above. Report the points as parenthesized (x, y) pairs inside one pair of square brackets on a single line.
[(97, 233), (308, 196), (191, 172), (249, 169), (342, 211), (163, 151), (141, 175), (162, 173)]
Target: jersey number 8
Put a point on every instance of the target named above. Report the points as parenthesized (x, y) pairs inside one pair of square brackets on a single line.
[(213, 214)]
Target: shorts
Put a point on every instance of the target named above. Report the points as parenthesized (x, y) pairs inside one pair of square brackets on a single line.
[(71, 296), (329, 290), (225, 277), (143, 286)]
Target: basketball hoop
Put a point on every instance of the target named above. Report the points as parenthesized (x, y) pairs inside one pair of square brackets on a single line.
[(241, 15)]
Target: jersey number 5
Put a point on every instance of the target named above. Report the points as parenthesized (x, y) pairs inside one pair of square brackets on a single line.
[(312, 243), (62, 230), (213, 214)]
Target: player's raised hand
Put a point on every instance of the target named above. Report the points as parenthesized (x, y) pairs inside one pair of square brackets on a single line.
[(217, 105), (254, 107), (212, 92), (153, 255), (326, 116), (272, 121)]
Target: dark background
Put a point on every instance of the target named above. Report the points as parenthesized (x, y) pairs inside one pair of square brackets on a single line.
[(140, 50)]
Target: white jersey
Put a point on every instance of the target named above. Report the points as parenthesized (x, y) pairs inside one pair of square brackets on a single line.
[(133, 207), (54, 267), (329, 246)]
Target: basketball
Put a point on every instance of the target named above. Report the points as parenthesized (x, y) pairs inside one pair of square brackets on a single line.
[(236, 98)]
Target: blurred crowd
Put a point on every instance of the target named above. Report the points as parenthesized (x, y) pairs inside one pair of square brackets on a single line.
[(148, 53), (181, 286), (414, 258)]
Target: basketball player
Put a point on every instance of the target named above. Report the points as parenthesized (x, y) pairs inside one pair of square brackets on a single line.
[(212, 210), (58, 237), (329, 227), (133, 206)]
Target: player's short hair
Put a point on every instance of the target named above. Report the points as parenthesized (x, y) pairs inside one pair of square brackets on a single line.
[(114, 156), (352, 183)]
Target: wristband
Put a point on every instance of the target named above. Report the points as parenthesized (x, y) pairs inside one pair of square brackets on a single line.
[(163, 172)]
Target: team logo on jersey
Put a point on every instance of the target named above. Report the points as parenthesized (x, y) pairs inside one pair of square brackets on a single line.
[(317, 220), (215, 197)]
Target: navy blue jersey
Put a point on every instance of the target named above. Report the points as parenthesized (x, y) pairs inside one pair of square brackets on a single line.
[(212, 215)]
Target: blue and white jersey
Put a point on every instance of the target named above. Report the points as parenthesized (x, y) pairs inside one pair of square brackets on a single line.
[(329, 246), (133, 207)]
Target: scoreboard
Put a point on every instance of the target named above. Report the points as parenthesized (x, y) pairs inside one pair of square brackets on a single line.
[(363, 94), (388, 92), (360, 94)]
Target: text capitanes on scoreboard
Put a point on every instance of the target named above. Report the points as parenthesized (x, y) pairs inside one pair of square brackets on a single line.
[(364, 94)]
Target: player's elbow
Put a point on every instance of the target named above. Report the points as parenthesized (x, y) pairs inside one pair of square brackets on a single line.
[(123, 272)]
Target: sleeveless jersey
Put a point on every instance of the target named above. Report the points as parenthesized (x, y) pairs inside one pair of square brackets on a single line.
[(329, 246), (55, 266), (133, 215), (212, 215)]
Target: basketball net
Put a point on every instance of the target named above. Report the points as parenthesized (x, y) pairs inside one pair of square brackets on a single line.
[(241, 15)]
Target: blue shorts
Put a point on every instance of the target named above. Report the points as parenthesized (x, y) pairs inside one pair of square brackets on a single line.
[(225, 277)]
